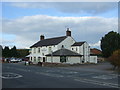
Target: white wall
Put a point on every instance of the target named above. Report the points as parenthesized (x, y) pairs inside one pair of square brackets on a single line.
[(83, 50), (55, 59), (73, 59), (67, 43), (93, 59)]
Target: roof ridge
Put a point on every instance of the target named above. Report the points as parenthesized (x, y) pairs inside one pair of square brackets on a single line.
[(55, 37)]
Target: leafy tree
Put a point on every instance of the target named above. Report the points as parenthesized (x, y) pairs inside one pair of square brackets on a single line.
[(115, 59), (109, 43)]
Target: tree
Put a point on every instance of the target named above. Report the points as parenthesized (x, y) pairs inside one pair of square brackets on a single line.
[(109, 43), (6, 52), (23, 52), (115, 59), (1, 49), (14, 52)]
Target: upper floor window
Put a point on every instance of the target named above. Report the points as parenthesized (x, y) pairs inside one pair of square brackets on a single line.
[(38, 50), (50, 49), (34, 50), (76, 48), (62, 46), (72, 48), (43, 54)]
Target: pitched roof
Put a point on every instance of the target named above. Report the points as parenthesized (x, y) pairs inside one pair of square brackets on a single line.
[(49, 41), (78, 43), (64, 52), (95, 51)]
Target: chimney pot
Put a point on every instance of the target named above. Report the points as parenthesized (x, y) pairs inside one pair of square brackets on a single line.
[(68, 32), (42, 37)]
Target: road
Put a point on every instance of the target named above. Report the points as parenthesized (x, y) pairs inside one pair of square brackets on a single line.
[(15, 75)]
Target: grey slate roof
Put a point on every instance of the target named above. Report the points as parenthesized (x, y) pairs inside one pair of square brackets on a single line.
[(78, 43), (64, 52), (49, 41)]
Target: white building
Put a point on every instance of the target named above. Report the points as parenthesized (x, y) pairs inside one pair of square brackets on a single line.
[(61, 50)]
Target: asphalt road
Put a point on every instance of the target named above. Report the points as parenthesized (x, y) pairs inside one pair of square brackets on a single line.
[(16, 75)]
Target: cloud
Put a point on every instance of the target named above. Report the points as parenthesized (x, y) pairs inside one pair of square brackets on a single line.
[(72, 7), (27, 29), (97, 44)]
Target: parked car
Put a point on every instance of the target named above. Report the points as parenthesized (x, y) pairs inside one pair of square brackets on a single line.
[(7, 60), (15, 60), (19, 59)]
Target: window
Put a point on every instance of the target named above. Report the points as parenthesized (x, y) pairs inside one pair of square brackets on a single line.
[(38, 50), (43, 54), (62, 46), (72, 48), (50, 49), (34, 58), (39, 59), (76, 48), (34, 50)]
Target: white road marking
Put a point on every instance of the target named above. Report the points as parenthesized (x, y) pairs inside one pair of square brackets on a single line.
[(105, 77), (96, 82), (9, 75)]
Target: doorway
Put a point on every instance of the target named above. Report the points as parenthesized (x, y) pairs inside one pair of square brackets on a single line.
[(43, 59), (62, 59)]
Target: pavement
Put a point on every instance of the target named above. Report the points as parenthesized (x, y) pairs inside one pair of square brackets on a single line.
[(17, 75)]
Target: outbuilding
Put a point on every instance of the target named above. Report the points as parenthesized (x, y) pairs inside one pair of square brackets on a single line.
[(64, 56)]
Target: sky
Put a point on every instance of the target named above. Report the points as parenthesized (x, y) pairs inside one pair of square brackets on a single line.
[(24, 22)]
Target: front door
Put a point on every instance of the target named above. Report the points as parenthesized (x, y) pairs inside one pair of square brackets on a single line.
[(43, 59), (62, 59)]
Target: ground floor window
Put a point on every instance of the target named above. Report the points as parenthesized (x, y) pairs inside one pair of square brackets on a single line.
[(39, 59), (62, 59), (31, 58), (82, 61), (34, 59)]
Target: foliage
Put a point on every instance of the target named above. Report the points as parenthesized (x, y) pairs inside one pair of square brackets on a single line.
[(109, 43), (6, 52), (23, 52), (115, 58), (13, 52)]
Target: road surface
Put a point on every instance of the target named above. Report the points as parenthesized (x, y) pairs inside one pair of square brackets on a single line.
[(16, 75)]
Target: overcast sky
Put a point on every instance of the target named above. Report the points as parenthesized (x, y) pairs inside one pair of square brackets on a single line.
[(23, 23)]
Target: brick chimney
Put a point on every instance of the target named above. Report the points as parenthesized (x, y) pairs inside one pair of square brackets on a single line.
[(68, 32), (42, 37)]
